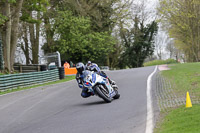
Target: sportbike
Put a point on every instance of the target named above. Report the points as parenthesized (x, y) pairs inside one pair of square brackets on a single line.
[(100, 86)]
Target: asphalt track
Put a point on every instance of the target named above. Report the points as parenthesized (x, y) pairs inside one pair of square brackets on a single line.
[(59, 108)]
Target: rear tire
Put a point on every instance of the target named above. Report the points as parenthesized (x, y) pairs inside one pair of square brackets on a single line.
[(103, 95)]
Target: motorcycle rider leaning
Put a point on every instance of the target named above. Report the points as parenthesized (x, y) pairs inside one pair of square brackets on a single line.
[(80, 67), (94, 67), (79, 76)]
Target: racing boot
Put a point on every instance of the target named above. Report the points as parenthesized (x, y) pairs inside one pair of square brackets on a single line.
[(85, 93)]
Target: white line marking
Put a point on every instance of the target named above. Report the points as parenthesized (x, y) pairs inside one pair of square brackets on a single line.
[(149, 121)]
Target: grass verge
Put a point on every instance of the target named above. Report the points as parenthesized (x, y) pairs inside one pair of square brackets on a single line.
[(160, 62), (183, 77), (180, 120), (67, 78), (1, 73)]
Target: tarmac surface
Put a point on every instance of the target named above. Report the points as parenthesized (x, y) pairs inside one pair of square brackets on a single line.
[(59, 108)]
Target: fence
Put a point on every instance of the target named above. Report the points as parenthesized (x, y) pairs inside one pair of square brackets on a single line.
[(28, 68), (26, 79)]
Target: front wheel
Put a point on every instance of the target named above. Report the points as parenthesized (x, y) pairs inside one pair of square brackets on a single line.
[(103, 93), (117, 93)]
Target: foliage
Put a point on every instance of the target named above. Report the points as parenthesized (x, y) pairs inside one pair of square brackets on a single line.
[(102, 15), (138, 43), (81, 30), (160, 62), (2, 19), (30, 6), (78, 42), (31, 19), (182, 20)]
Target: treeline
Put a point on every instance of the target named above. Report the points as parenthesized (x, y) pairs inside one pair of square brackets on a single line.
[(105, 31), (181, 18)]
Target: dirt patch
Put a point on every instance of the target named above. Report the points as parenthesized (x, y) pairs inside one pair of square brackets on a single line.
[(194, 84), (163, 67)]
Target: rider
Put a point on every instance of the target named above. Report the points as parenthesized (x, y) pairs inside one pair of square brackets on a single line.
[(79, 78), (94, 67)]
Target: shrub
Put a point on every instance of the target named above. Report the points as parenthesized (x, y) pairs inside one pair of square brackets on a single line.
[(160, 62)]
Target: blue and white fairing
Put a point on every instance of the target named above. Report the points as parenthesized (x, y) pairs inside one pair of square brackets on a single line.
[(90, 79)]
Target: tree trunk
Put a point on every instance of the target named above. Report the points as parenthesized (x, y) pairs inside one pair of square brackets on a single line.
[(49, 34), (32, 38), (35, 46), (25, 47), (7, 37), (108, 61), (14, 33)]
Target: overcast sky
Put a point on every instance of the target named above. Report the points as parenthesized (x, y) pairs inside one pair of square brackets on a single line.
[(162, 35)]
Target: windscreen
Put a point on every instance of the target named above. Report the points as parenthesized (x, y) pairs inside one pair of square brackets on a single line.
[(87, 76)]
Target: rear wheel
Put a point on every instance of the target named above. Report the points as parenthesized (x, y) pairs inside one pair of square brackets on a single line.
[(103, 93)]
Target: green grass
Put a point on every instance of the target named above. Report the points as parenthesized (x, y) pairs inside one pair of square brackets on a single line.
[(160, 62), (67, 78), (181, 120), (184, 77)]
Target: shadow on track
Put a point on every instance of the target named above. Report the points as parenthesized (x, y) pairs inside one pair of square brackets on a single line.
[(91, 103)]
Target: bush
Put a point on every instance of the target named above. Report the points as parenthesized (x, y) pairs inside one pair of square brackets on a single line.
[(160, 62)]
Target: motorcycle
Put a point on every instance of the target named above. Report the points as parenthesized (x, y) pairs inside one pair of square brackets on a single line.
[(100, 86)]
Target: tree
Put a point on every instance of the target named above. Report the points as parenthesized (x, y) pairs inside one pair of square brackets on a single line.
[(137, 36), (24, 38), (103, 15), (161, 42), (48, 29), (183, 18), (138, 42), (10, 29), (32, 19), (78, 42), (171, 48)]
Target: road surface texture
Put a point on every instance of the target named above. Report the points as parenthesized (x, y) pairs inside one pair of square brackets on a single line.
[(59, 108)]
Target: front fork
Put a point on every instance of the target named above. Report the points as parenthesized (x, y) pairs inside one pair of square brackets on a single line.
[(110, 88)]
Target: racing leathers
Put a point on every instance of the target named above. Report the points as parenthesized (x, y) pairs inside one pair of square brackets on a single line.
[(79, 79)]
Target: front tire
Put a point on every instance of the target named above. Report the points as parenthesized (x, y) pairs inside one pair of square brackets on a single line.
[(103, 94), (117, 95)]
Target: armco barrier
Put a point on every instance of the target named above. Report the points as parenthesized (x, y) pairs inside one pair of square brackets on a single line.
[(26, 79)]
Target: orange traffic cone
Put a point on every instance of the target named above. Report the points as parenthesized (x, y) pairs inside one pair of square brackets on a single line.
[(188, 101)]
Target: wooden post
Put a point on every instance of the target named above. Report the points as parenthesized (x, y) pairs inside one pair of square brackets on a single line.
[(20, 68), (38, 68)]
